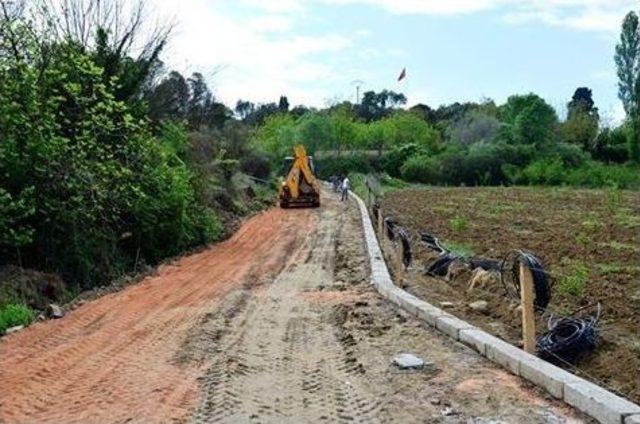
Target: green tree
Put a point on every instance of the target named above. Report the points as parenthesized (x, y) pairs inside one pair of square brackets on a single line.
[(627, 58), (169, 99), (375, 106), (529, 120)]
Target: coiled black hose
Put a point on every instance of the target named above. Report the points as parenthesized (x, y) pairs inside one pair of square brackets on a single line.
[(569, 338), (406, 246), (389, 224), (432, 242), (541, 283), (375, 209)]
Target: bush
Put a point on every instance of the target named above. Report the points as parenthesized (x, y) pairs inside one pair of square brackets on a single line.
[(14, 314), (611, 145), (481, 164), (393, 160), (590, 174), (342, 165), (421, 169)]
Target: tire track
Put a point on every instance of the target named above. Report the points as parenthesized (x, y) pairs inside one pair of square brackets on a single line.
[(114, 359)]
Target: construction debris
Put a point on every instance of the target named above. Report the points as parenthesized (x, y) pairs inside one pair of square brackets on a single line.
[(408, 361), (54, 311), (479, 306), (14, 329)]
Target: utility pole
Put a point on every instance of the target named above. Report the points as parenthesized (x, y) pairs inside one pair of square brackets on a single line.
[(357, 84)]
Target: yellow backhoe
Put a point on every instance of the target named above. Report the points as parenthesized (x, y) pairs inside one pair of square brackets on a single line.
[(300, 186)]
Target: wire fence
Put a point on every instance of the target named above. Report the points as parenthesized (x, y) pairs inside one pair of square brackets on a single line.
[(569, 336)]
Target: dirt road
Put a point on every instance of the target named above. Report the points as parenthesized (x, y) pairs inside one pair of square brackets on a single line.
[(278, 324)]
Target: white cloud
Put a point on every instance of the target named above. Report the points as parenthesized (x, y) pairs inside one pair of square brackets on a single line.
[(257, 56), (588, 15), (432, 7)]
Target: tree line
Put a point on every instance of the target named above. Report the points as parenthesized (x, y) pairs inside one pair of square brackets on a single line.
[(522, 141)]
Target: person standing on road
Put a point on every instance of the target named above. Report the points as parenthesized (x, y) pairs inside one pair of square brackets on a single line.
[(345, 188)]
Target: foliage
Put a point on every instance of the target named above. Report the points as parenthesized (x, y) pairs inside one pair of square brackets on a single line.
[(12, 315), (480, 164), (611, 145), (627, 58), (87, 190), (590, 174), (343, 165), (375, 106), (529, 120), (575, 281), (474, 127), (459, 223)]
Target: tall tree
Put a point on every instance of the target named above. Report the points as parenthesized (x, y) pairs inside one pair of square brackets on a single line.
[(627, 61), (169, 99), (283, 104), (582, 102), (244, 109), (375, 106), (581, 126), (627, 58)]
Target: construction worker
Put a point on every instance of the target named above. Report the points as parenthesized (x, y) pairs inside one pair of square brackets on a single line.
[(345, 188)]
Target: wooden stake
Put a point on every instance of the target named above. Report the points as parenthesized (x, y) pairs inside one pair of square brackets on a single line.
[(399, 264), (528, 316), (380, 225)]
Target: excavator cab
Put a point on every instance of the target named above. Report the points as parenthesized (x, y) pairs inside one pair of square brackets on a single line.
[(300, 186)]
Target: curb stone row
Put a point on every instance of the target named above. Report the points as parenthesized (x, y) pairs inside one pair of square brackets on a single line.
[(583, 395)]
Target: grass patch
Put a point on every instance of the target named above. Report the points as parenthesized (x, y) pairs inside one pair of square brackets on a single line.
[(616, 268), (14, 314), (575, 281), (442, 210), (500, 209), (591, 225), (583, 239), (459, 249), (618, 246), (627, 220), (459, 223)]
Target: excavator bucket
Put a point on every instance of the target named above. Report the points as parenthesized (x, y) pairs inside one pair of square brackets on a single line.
[(300, 186)]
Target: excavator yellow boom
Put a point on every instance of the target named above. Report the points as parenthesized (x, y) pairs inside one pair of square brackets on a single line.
[(300, 186)]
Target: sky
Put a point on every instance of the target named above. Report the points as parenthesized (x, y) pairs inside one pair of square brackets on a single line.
[(316, 51)]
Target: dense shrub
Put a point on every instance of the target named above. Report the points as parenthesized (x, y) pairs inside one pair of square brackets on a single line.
[(480, 164), (12, 315), (393, 160), (343, 165), (421, 169), (589, 174), (86, 188), (611, 145)]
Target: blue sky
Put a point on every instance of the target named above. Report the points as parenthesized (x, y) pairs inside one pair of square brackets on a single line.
[(457, 50)]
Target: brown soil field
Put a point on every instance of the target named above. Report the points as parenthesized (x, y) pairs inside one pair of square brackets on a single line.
[(589, 237)]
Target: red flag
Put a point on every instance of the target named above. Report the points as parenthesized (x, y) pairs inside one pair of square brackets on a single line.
[(403, 74)]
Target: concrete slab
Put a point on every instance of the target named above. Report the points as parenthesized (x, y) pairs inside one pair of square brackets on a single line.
[(633, 419), (451, 325), (430, 314), (506, 355), (477, 339), (599, 403), (546, 375)]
